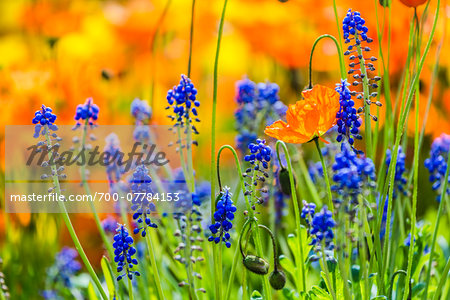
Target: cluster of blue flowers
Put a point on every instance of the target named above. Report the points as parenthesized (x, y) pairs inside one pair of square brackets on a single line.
[(67, 264), (308, 211), (124, 251), (86, 112), (223, 216), (437, 163), (257, 102), (142, 204), (355, 33), (320, 224), (113, 160), (140, 110), (183, 101), (348, 121), (351, 173), (44, 117), (260, 154), (400, 169), (109, 224)]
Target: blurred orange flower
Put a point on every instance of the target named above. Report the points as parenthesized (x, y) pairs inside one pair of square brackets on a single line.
[(413, 3), (308, 118)]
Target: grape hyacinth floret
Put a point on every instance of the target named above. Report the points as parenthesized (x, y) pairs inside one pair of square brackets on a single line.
[(223, 218), (113, 160), (142, 204), (308, 211), (44, 117), (86, 112), (400, 169), (348, 120), (437, 163), (260, 154), (321, 229), (67, 265), (124, 251), (109, 224), (182, 99)]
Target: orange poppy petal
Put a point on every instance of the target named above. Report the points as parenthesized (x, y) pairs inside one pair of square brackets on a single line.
[(303, 117), (282, 131), (327, 100)]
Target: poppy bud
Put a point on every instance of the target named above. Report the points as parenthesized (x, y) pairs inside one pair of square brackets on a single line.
[(355, 273), (285, 183), (256, 264), (331, 264), (385, 3), (413, 3), (277, 279)]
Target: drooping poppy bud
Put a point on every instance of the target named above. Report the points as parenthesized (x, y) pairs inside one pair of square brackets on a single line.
[(277, 279), (256, 264)]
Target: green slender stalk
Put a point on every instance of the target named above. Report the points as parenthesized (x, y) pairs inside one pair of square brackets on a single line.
[(151, 253), (324, 266), (299, 261), (103, 235), (338, 22), (325, 175), (436, 227), (441, 284), (340, 55), (69, 225), (191, 39), (362, 253), (415, 193), (309, 183), (130, 289), (391, 285), (217, 285)]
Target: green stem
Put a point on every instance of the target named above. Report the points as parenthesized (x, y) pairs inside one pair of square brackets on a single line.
[(69, 225), (217, 285), (191, 39), (391, 285), (338, 23), (325, 175), (151, 253), (340, 54), (441, 284), (299, 261), (130, 289), (327, 272)]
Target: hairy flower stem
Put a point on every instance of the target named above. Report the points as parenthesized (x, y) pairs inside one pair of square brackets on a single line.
[(340, 55), (325, 175), (324, 266), (300, 280), (217, 284), (68, 223)]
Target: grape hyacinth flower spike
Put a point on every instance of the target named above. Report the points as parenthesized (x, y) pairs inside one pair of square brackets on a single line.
[(87, 112), (223, 217), (43, 117), (437, 163), (142, 204), (321, 229), (124, 251), (400, 169)]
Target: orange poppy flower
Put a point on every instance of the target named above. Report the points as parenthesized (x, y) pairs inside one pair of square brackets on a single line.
[(413, 3), (308, 118)]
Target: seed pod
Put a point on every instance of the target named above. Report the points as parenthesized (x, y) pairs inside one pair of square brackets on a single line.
[(256, 264), (285, 183), (277, 279), (385, 3)]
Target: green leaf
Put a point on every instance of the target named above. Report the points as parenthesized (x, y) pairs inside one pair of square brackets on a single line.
[(379, 298), (316, 293), (418, 288), (256, 296), (288, 265), (107, 272), (91, 292)]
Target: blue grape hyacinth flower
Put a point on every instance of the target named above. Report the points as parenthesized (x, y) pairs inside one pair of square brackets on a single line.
[(437, 163), (44, 117), (86, 112), (140, 110), (308, 211), (223, 218), (400, 169), (321, 229), (124, 251), (142, 204)]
